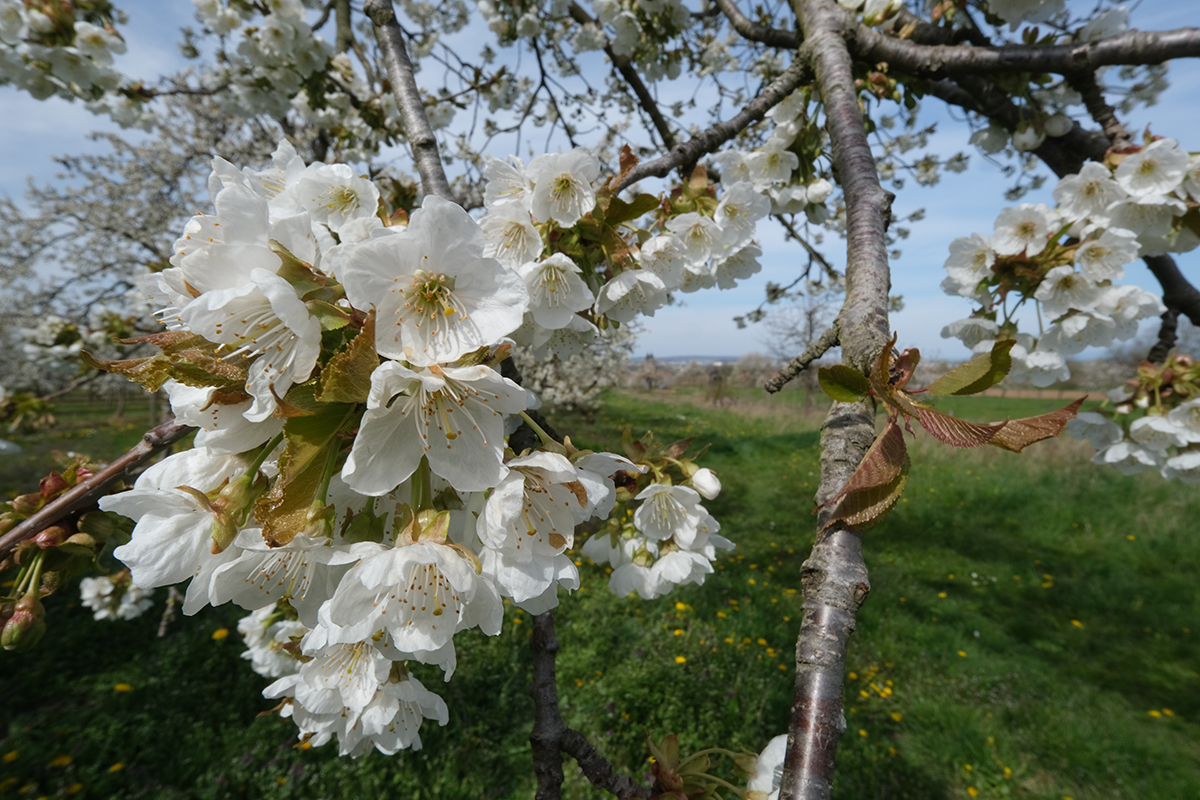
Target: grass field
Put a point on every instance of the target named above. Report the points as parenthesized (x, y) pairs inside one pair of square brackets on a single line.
[(1029, 634)]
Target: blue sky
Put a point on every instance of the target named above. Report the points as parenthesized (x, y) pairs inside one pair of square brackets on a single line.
[(32, 131)]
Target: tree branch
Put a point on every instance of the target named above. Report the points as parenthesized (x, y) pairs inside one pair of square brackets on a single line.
[(86, 494), (551, 735), (1104, 115), (756, 32), (834, 577), (408, 97), (1131, 47), (709, 140), (800, 363), (625, 67)]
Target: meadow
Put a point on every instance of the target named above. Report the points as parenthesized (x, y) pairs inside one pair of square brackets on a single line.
[(1029, 633)]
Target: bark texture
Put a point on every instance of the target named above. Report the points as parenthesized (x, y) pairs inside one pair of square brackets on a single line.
[(834, 577), (408, 97)]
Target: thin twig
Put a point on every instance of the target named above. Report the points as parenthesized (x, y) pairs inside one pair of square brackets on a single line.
[(820, 347), (709, 140), (86, 493)]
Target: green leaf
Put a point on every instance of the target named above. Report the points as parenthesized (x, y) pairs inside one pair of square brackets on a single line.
[(980, 373), (310, 443), (186, 357), (1017, 434), (843, 383), (619, 211), (347, 376), (875, 486)]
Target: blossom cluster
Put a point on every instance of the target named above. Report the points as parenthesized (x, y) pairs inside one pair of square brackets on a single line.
[(51, 48), (1153, 422), (114, 597), (350, 476), (775, 169), (1068, 259), (268, 58)]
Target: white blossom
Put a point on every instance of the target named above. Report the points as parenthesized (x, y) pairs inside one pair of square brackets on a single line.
[(1024, 228), (562, 186)]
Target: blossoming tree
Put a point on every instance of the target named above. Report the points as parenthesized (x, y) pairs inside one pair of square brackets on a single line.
[(369, 476)]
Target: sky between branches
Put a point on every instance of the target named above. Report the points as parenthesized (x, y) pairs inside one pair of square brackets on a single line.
[(31, 132)]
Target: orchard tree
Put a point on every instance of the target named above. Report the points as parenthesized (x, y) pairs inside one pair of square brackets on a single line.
[(342, 344)]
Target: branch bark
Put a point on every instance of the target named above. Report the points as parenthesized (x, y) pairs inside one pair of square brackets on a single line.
[(834, 577), (408, 97), (709, 140), (1131, 47), (800, 363), (85, 494), (551, 736)]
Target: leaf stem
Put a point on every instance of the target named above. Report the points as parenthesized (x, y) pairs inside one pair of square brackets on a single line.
[(261, 458), (327, 475), (545, 437)]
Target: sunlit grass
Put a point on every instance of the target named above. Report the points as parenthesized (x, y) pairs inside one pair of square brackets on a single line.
[(1029, 633)]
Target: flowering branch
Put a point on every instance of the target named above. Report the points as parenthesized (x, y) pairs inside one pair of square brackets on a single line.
[(709, 140), (625, 66), (408, 97), (800, 363), (834, 577), (775, 37), (87, 492)]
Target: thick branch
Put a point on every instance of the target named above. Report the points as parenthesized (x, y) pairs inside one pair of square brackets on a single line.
[(708, 141), (1131, 47), (85, 494), (1166, 337), (624, 66), (834, 577), (551, 735), (800, 363), (408, 98)]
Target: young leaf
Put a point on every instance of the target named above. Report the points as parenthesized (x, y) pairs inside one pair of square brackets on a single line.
[(905, 366), (876, 485), (843, 383), (1017, 434), (347, 376), (954, 431), (619, 211), (980, 373), (284, 511)]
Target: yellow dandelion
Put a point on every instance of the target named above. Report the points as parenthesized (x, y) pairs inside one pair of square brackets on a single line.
[(721, 614), (897, 716), (1077, 623), (1155, 713), (219, 634), (862, 732), (1168, 712), (75, 788), (1047, 584), (763, 642), (122, 687), (10, 756), (971, 790), (61, 761), (117, 767), (962, 653), (8, 783), (281, 781), (680, 659), (942, 595)]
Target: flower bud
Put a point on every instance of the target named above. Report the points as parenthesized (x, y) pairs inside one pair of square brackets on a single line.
[(53, 485), (1027, 137), (28, 504), (1058, 125), (51, 537), (706, 482), (26, 626)]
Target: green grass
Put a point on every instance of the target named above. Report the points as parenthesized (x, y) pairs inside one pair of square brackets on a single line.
[(1038, 706)]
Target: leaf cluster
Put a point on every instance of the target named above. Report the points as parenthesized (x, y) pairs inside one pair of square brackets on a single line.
[(876, 485)]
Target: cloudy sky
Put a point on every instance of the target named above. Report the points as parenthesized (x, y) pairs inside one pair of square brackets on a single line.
[(32, 131)]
